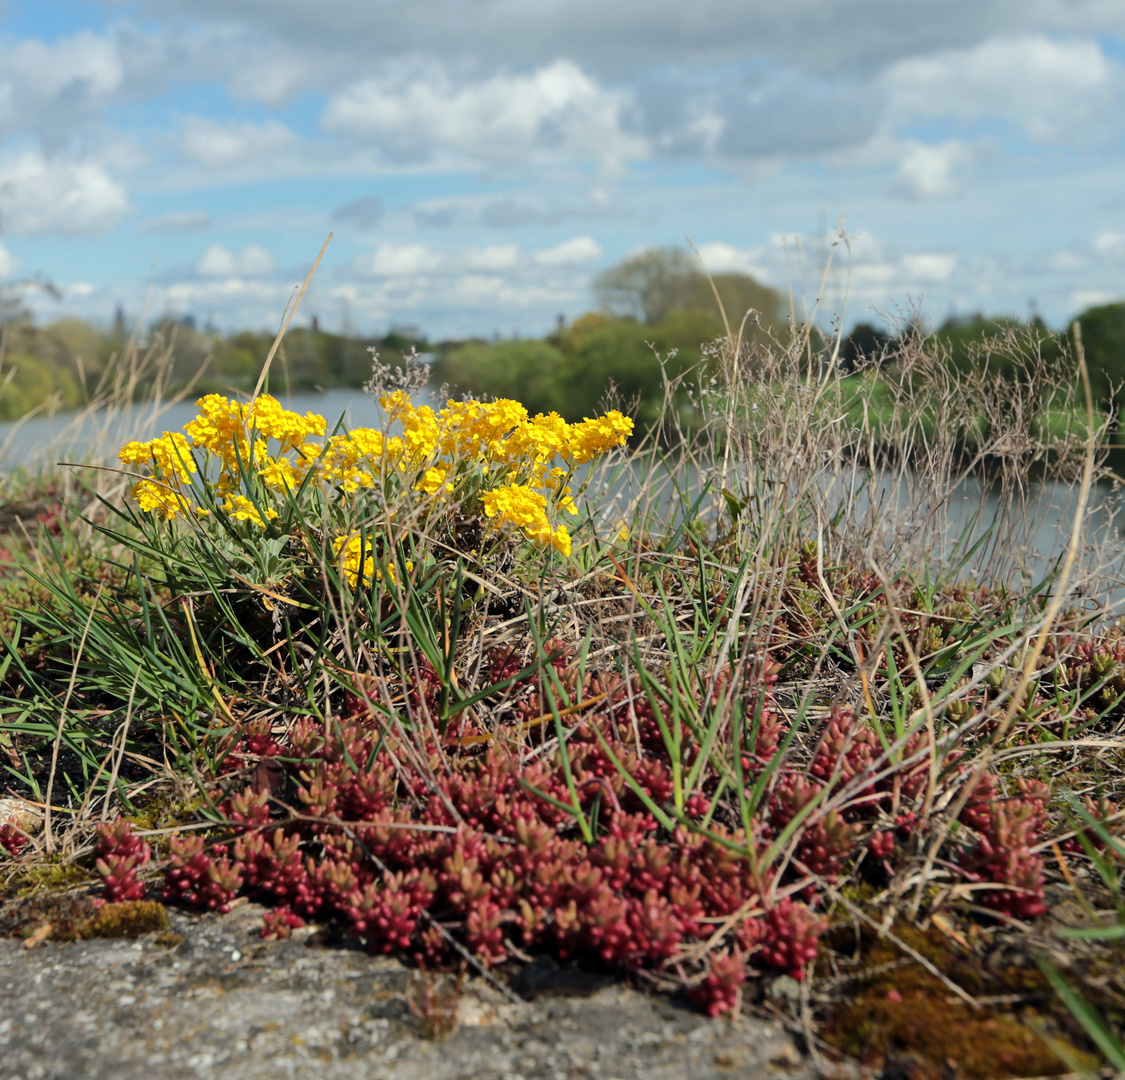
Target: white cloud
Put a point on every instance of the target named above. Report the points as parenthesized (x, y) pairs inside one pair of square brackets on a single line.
[(1081, 299), (245, 302), (929, 172), (40, 194), (84, 65), (52, 89), (478, 288), (810, 106), (720, 258), (473, 290), (362, 213), (9, 263), (270, 71), (398, 260), (820, 35), (493, 257), (223, 145), (769, 113), (219, 262), (1053, 89), (1110, 245), (555, 111), (1066, 262), (178, 221), (574, 252), (905, 275), (930, 269), (861, 265)]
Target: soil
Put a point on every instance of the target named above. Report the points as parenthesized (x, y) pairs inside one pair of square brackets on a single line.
[(208, 998)]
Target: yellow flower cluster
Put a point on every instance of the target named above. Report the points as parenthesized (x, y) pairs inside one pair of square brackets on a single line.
[(354, 554), (508, 445), (509, 455), (171, 459), (355, 558), (238, 436), (518, 505), (242, 509), (169, 454)]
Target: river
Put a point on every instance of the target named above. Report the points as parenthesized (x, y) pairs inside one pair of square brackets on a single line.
[(75, 437), (43, 441)]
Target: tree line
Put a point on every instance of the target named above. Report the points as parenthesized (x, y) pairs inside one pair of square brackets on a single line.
[(66, 363), (654, 315), (657, 310)]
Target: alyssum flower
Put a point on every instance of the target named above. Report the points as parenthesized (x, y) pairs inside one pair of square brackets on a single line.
[(255, 455)]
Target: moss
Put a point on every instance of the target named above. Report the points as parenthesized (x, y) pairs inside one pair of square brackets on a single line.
[(75, 916), (130, 919), (165, 812), (30, 879), (859, 892), (911, 1013), (168, 940), (904, 1015), (58, 917)]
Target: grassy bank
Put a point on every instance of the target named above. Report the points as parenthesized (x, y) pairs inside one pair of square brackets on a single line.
[(754, 738)]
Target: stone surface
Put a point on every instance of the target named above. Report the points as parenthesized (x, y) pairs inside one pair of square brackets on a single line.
[(226, 1004)]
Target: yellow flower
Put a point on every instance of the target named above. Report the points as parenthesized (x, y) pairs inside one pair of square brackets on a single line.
[(352, 461), (396, 403), (392, 573), (278, 473), (419, 436), (519, 506), (539, 440), (368, 442), (242, 509), (288, 428), (156, 498), (220, 428), (448, 454), (217, 424), (169, 453), (348, 550), (432, 479), (592, 437), (472, 429), (560, 540)]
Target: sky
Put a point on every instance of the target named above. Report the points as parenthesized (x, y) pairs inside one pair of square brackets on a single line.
[(478, 162)]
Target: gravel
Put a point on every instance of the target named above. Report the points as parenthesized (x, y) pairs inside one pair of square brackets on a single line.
[(223, 1003)]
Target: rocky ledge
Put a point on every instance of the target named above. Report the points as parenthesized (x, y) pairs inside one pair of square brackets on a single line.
[(208, 998)]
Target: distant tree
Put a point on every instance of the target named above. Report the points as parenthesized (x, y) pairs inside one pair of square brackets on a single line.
[(651, 285), (570, 337), (626, 356), (648, 285), (571, 373), (997, 344), (526, 370), (1103, 338), (865, 345), (739, 295)]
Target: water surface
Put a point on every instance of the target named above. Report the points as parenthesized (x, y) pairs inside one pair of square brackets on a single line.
[(44, 441)]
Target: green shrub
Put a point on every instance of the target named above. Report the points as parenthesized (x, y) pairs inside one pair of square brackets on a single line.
[(27, 382), (534, 372)]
